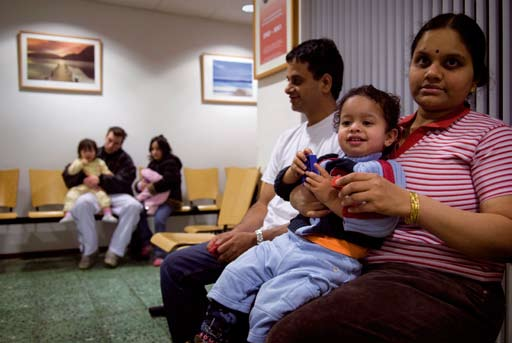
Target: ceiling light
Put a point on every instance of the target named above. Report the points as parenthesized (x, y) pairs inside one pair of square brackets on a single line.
[(249, 8)]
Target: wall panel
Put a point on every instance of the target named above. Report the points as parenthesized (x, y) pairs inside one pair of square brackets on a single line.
[(374, 37)]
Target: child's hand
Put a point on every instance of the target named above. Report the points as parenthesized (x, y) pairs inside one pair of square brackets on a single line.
[(320, 185), (84, 161), (298, 167)]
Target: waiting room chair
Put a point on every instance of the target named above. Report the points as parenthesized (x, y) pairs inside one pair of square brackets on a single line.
[(237, 197), (47, 189), (8, 192), (201, 185)]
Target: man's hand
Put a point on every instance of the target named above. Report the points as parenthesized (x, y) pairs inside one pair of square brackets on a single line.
[(306, 203), (231, 244), (92, 181)]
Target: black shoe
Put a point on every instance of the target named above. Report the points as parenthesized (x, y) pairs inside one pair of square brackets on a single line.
[(157, 311)]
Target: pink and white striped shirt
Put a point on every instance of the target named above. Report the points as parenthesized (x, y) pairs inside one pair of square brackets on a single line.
[(461, 161)]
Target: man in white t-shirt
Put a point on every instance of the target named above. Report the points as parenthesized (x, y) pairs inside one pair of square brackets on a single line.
[(315, 75)]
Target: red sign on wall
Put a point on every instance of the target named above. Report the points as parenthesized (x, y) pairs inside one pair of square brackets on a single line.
[(273, 30)]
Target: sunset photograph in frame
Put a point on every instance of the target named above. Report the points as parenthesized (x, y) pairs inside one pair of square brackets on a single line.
[(50, 62)]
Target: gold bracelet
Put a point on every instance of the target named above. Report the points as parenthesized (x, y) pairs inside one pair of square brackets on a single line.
[(415, 209)]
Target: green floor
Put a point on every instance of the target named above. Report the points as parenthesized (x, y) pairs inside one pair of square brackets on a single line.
[(50, 300)]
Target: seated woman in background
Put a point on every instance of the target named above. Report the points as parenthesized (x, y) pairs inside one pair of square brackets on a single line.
[(437, 278), (168, 166)]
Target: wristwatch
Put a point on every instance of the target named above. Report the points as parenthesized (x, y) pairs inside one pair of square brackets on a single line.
[(259, 236)]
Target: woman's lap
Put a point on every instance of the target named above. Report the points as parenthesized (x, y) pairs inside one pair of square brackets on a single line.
[(398, 303)]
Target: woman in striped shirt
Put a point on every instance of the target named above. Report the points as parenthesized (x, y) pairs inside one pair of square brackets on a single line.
[(437, 278)]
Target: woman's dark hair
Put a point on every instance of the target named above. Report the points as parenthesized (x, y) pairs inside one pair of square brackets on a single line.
[(322, 57), (163, 144), (389, 103), (87, 144), (471, 35)]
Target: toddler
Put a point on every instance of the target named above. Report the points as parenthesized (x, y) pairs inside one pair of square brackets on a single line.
[(90, 165)]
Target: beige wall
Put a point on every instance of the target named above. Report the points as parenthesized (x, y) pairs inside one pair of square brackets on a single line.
[(152, 85)]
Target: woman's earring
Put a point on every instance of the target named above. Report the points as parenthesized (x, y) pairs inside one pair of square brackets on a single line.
[(473, 89)]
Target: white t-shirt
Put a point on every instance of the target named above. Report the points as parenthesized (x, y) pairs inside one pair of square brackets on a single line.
[(320, 138)]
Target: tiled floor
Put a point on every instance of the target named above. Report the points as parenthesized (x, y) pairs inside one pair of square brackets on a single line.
[(50, 300)]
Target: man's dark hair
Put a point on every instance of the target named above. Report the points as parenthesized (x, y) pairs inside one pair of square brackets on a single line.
[(322, 57), (118, 132)]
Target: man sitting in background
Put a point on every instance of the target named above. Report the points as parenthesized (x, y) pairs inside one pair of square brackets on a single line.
[(119, 187)]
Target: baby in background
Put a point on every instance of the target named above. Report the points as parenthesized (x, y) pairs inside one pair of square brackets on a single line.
[(90, 165), (151, 201)]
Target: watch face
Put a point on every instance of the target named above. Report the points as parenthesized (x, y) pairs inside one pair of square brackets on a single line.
[(259, 236)]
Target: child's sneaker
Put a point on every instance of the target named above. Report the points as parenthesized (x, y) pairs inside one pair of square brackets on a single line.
[(66, 219), (218, 324), (202, 338), (108, 218)]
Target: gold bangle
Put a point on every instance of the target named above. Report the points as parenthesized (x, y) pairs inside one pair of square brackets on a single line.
[(415, 209)]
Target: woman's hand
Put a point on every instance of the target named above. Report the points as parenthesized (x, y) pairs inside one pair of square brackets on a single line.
[(368, 192)]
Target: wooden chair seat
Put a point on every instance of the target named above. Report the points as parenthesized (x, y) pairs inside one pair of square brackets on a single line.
[(45, 214), (204, 228), (168, 241), (8, 215)]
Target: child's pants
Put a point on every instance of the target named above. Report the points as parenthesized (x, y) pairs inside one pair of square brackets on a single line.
[(278, 276), (75, 192)]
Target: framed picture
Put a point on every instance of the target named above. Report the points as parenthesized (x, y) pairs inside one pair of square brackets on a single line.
[(275, 29), (228, 79), (48, 62)]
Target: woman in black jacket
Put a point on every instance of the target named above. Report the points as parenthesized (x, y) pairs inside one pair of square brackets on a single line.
[(162, 161)]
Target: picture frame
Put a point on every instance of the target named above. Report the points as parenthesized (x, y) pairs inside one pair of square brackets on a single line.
[(275, 29), (51, 62), (228, 80)]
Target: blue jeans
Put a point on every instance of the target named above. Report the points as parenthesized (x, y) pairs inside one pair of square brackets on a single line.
[(144, 233), (183, 277), (274, 278)]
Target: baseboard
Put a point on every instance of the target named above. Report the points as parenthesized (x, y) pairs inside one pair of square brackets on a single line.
[(44, 254)]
